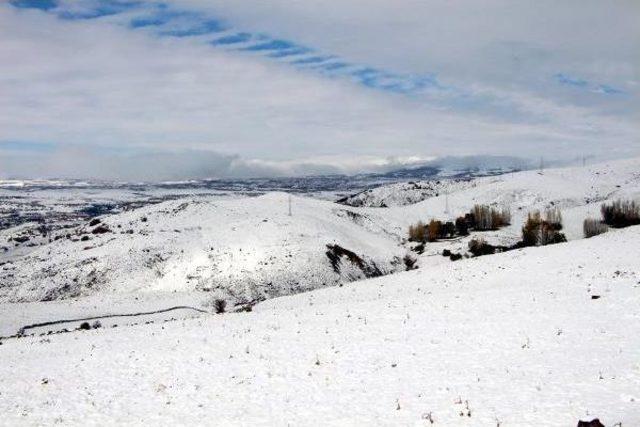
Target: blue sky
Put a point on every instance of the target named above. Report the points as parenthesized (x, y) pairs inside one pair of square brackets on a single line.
[(286, 87)]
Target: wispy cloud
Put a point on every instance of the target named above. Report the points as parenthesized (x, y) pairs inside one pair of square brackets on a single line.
[(571, 81), (164, 20), (576, 82)]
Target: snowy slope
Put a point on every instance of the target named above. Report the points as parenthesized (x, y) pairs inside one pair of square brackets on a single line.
[(515, 339), (578, 192), (239, 249)]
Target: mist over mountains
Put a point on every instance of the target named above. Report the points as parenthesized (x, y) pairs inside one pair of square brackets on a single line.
[(218, 174)]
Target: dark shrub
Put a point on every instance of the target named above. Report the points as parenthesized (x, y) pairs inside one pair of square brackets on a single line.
[(478, 247), (101, 229), (419, 248), (549, 235), (85, 326), (471, 220), (531, 229), (621, 213), (446, 252), (448, 230), (593, 227), (409, 262), (455, 256), (462, 226), (593, 423), (220, 306), (245, 308)]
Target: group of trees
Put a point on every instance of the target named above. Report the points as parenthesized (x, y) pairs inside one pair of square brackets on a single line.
[(617, 214), (486, 218), (480, 218), (620, 213), (541, 230)]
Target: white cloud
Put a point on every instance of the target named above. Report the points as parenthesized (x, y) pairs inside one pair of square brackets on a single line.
[(97, 84)]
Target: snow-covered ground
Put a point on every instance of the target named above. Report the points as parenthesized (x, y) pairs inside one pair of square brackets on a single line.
[(536, 336), (539, 336)]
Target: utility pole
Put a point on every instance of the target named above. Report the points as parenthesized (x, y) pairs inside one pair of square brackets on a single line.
[(289, 204), (541, 165)]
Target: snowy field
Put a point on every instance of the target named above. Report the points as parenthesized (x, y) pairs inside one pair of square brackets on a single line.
[(535, 336), (509, 339)]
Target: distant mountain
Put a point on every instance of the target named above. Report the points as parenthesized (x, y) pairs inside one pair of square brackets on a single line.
[(459, 167)]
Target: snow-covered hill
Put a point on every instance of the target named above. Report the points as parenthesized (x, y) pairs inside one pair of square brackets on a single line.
[(405, 193), (539, 336), (242, 250)]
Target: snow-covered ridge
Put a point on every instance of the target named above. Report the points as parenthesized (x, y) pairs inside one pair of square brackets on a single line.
[(405, 193)]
